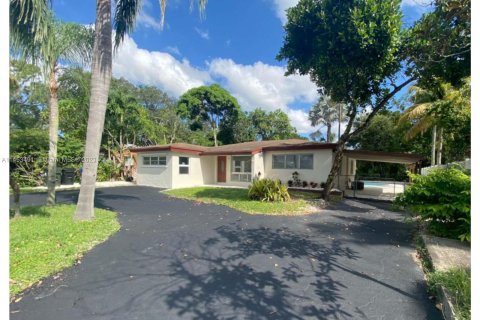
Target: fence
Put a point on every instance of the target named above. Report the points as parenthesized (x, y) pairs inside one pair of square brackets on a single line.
[(466, 164), (378, 188)]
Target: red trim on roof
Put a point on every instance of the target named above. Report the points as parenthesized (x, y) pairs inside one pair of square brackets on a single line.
[(302, 147), (184, 150)]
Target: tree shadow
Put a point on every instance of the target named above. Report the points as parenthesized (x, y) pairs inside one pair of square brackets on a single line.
[(237, 276), (32, 211)]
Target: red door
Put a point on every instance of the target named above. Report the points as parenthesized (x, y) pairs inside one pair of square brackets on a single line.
[(222, 169)]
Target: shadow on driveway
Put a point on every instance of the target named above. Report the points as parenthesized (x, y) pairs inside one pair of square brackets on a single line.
[(176, 259)]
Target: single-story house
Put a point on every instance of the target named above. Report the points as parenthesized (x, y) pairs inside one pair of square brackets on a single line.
[(181, 165)]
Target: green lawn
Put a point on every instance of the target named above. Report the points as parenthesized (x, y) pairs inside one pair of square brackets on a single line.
[(45, 240), (238, 199)]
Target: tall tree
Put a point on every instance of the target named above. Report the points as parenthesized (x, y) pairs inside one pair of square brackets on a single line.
[(211, 105), (125, 16), (326, 111), (439, 44), (66, 42), (350, 49), (274, 125)]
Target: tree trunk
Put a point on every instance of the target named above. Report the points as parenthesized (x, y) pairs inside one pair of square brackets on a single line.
[(100, 85), (337, 161), (215, 135), (329, 132), (440, 146), (53, 137), (16, 196), (434, 142)]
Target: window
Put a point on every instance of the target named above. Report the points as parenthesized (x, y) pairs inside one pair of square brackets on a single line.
[(306, 161), (292, 161), (241, 168), (183, 164), (154, 161)]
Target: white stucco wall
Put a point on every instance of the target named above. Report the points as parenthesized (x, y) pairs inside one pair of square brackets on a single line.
[(258, 165), (156, 176), (347, 172), (208, 169), (194, 178), (322, 163)]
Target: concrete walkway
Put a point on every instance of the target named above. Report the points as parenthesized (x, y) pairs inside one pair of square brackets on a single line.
[(177, 259)]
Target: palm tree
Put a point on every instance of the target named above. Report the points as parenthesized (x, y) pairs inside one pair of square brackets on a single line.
[(125, 15), (325, 112), (423, 118), (61, 42)]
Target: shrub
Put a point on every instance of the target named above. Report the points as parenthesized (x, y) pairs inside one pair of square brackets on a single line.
[(296, 180), (442, 198), (323, 184), (304, 184), (290, 183), (313, 184), (107, 170), (268, 190)]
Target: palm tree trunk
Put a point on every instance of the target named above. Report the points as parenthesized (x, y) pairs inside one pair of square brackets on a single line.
[(53, 138), (16, 196), (100, 85), (434, 142), (440, 146), (329, 132)]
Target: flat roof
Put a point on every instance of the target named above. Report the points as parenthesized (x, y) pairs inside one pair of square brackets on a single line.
[(381, 156)]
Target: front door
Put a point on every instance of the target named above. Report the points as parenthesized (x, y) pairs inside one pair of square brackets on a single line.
[(222, 169)]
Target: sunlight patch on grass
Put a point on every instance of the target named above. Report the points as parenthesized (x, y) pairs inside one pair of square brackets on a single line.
[(238, 199), (45, 240)]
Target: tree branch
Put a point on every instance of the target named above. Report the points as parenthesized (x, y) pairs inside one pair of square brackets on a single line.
[(381, 105)]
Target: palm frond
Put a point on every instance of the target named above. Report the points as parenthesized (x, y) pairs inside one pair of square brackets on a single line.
[(126, 12), (420, 126), (28, 21)]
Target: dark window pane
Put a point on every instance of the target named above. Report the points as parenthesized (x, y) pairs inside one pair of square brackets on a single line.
[(146, 161), (183, 161), (183, 170), (291, 161), (306, 161), (162, 161), (278, 162)]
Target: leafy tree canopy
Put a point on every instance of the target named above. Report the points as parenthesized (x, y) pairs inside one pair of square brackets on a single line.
[(349, 48)]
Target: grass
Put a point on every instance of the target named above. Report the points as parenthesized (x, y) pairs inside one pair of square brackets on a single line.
[(45, 240), (458, 284), (238, 199), (456, 281)]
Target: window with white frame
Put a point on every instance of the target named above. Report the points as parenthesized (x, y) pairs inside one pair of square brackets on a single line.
[(241, 168), (183, 165), (154, 161), (292, 161)]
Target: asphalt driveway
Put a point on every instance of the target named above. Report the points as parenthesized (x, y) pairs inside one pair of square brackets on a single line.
[(176, 259)]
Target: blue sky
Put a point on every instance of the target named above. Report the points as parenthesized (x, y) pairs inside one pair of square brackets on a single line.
[(235, 45)]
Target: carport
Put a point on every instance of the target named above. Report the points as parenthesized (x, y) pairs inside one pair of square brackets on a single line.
[(384, 189)]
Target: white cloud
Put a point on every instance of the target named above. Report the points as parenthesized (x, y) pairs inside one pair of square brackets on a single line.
[(156, 68), (416, 3), (174, 50), (257, 85), (281, 5), (265, 86), (202, 33), (146, 20)]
